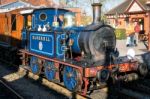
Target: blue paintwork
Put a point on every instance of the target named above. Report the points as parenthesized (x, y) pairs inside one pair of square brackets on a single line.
[(59, 46), (53, 47), (75, 36), (50, 12), (70, 82), (24, 38), (75, 46), (34, 65), (45, 47), (33, 26), (48, 47), (49, 70)]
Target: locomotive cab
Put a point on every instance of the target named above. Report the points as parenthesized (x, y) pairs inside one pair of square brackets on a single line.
[(26, 26)]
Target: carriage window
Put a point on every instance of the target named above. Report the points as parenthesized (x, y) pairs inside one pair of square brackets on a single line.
[(43, 16), (13, 22)]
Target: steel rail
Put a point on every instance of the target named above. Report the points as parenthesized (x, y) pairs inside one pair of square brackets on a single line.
[(12, 90)]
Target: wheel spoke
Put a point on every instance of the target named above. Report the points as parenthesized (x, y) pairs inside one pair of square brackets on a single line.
[(49, 71), (35, 67), (70, 78)]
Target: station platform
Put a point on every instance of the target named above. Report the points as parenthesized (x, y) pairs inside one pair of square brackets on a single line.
[(139, 49)]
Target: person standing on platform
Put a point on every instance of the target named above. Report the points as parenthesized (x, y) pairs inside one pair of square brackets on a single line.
[(136, 30), (130, 35)]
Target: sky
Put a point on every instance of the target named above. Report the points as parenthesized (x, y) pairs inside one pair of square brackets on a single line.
[(106, 6), (86, 7), (112, 3)]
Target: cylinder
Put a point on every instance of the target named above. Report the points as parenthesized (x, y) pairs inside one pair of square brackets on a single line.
[(96, 12)]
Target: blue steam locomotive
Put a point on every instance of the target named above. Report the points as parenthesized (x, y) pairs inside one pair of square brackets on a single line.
[(81, 57)]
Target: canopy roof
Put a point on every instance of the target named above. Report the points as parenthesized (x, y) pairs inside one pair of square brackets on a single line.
[(15, 5), (126, 5)]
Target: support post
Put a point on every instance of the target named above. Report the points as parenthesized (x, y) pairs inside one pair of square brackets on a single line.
[(148, 8), (149, 34)]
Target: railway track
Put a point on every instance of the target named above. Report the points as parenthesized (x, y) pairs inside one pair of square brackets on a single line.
[(137, 89), (57, 87), (132, 90), (132, 94), (6, 92), (101, 94), (28, 88), (44, 82)]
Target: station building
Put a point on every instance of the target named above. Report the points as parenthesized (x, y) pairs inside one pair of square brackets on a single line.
[(128, 12)]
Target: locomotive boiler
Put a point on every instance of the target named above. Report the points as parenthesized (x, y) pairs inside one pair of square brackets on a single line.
[(81, 57)]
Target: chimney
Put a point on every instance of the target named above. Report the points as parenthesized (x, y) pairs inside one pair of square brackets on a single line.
[(96, 12)]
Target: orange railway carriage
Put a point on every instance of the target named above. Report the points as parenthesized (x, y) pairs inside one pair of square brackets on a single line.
[(11, 24), (10, 31)]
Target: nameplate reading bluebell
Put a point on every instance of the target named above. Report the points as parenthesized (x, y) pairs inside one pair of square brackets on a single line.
[(42, 43)]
